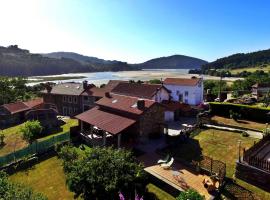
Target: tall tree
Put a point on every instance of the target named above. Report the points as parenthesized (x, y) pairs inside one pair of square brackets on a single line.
[(100, 173)]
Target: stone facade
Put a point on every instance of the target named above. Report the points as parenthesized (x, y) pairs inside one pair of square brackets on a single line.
[(152, 121), (253, 175)]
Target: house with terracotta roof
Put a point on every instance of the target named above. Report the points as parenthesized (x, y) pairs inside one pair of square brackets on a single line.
[(121, 120), (72, 98), (156, 92), (14, 113), (188, 91)]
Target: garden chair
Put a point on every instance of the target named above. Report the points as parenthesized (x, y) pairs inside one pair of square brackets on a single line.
[(165, 160), (168, 164)]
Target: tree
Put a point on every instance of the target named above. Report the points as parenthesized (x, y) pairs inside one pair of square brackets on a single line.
[(12, 191), (100, 173), (155, 81), (31, 130), (190, 195)]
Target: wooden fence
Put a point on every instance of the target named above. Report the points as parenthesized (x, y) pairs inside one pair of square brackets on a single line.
[(250, 155)]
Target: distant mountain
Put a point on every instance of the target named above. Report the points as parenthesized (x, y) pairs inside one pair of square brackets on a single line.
[(78, 57), (173, 62), (258, 59), (20, 62)]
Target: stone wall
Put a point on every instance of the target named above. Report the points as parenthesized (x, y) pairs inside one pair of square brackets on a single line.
[(253, 175), (152, 121)]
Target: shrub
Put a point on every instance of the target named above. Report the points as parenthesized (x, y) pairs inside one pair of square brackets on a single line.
[(190, 195), (103, 172), (31, 130), (266, 132), (234, 115), (13, 191)]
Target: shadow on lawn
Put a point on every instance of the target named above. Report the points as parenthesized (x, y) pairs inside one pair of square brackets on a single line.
[(27, 165), (187, 150), (234, 191)]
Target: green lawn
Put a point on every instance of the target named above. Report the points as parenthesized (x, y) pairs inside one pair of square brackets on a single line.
[(14, 141), (158, 193), (220, 145), (46, 177)]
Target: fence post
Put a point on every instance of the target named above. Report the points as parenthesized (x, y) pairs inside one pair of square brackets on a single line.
[(211, 159)]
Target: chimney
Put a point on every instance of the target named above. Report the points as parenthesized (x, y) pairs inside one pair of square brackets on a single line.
[(48, 87), (140, 104), (107, 94), (85, 84)]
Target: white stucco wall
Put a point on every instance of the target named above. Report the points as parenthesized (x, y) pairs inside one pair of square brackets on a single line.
[(195, 93), (161, 95)]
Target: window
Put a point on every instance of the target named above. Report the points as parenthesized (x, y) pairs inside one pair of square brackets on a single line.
[(177, 92), (65, 111), (186, 101), (70, 110), (74, 99), (186, 93), (180, 97), (64, 99), (70, 99), (75, 110)]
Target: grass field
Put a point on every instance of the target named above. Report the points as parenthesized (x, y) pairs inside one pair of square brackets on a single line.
[(223, 145), (160, 194), (250, 69), (14, 141), (47, 178)]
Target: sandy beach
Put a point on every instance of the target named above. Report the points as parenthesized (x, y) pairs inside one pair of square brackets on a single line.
[(99, 78)]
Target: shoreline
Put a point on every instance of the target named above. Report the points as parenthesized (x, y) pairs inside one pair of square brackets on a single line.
[(99, 78)]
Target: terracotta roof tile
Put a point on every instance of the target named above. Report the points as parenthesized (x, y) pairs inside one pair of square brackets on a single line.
[(112, 84), (182, 81), (106, 121), (137, 90), (16, 107), (124, 103), (175, 105), (94, 91), (33, 103)]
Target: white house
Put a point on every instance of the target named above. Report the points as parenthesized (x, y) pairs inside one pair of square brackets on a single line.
[(189, 91)]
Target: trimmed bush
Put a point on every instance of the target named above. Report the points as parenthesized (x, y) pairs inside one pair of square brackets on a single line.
[(253, 113)]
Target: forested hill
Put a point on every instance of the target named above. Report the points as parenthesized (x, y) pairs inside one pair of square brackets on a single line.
[(240, 60), (19, 62), (80, 58), (173, 62)]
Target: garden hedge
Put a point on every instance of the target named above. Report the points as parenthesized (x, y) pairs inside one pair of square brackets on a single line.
[(253, 113)]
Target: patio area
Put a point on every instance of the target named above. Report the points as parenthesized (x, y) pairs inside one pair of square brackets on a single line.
[(178, 176), (184, 123)]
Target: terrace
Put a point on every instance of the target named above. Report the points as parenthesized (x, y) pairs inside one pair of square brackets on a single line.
[(179, 176)]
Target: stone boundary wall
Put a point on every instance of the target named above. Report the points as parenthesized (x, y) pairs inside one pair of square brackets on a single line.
[(253, 175)]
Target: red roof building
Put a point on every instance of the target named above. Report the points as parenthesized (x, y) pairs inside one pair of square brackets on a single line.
[(156, 92), (123, 115)]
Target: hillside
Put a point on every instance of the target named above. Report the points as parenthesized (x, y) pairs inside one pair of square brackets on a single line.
[(173, 62), (19, 62), (78, 57), (255, 60)]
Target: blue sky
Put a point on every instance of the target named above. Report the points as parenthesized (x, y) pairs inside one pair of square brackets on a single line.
[(137, 30)]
